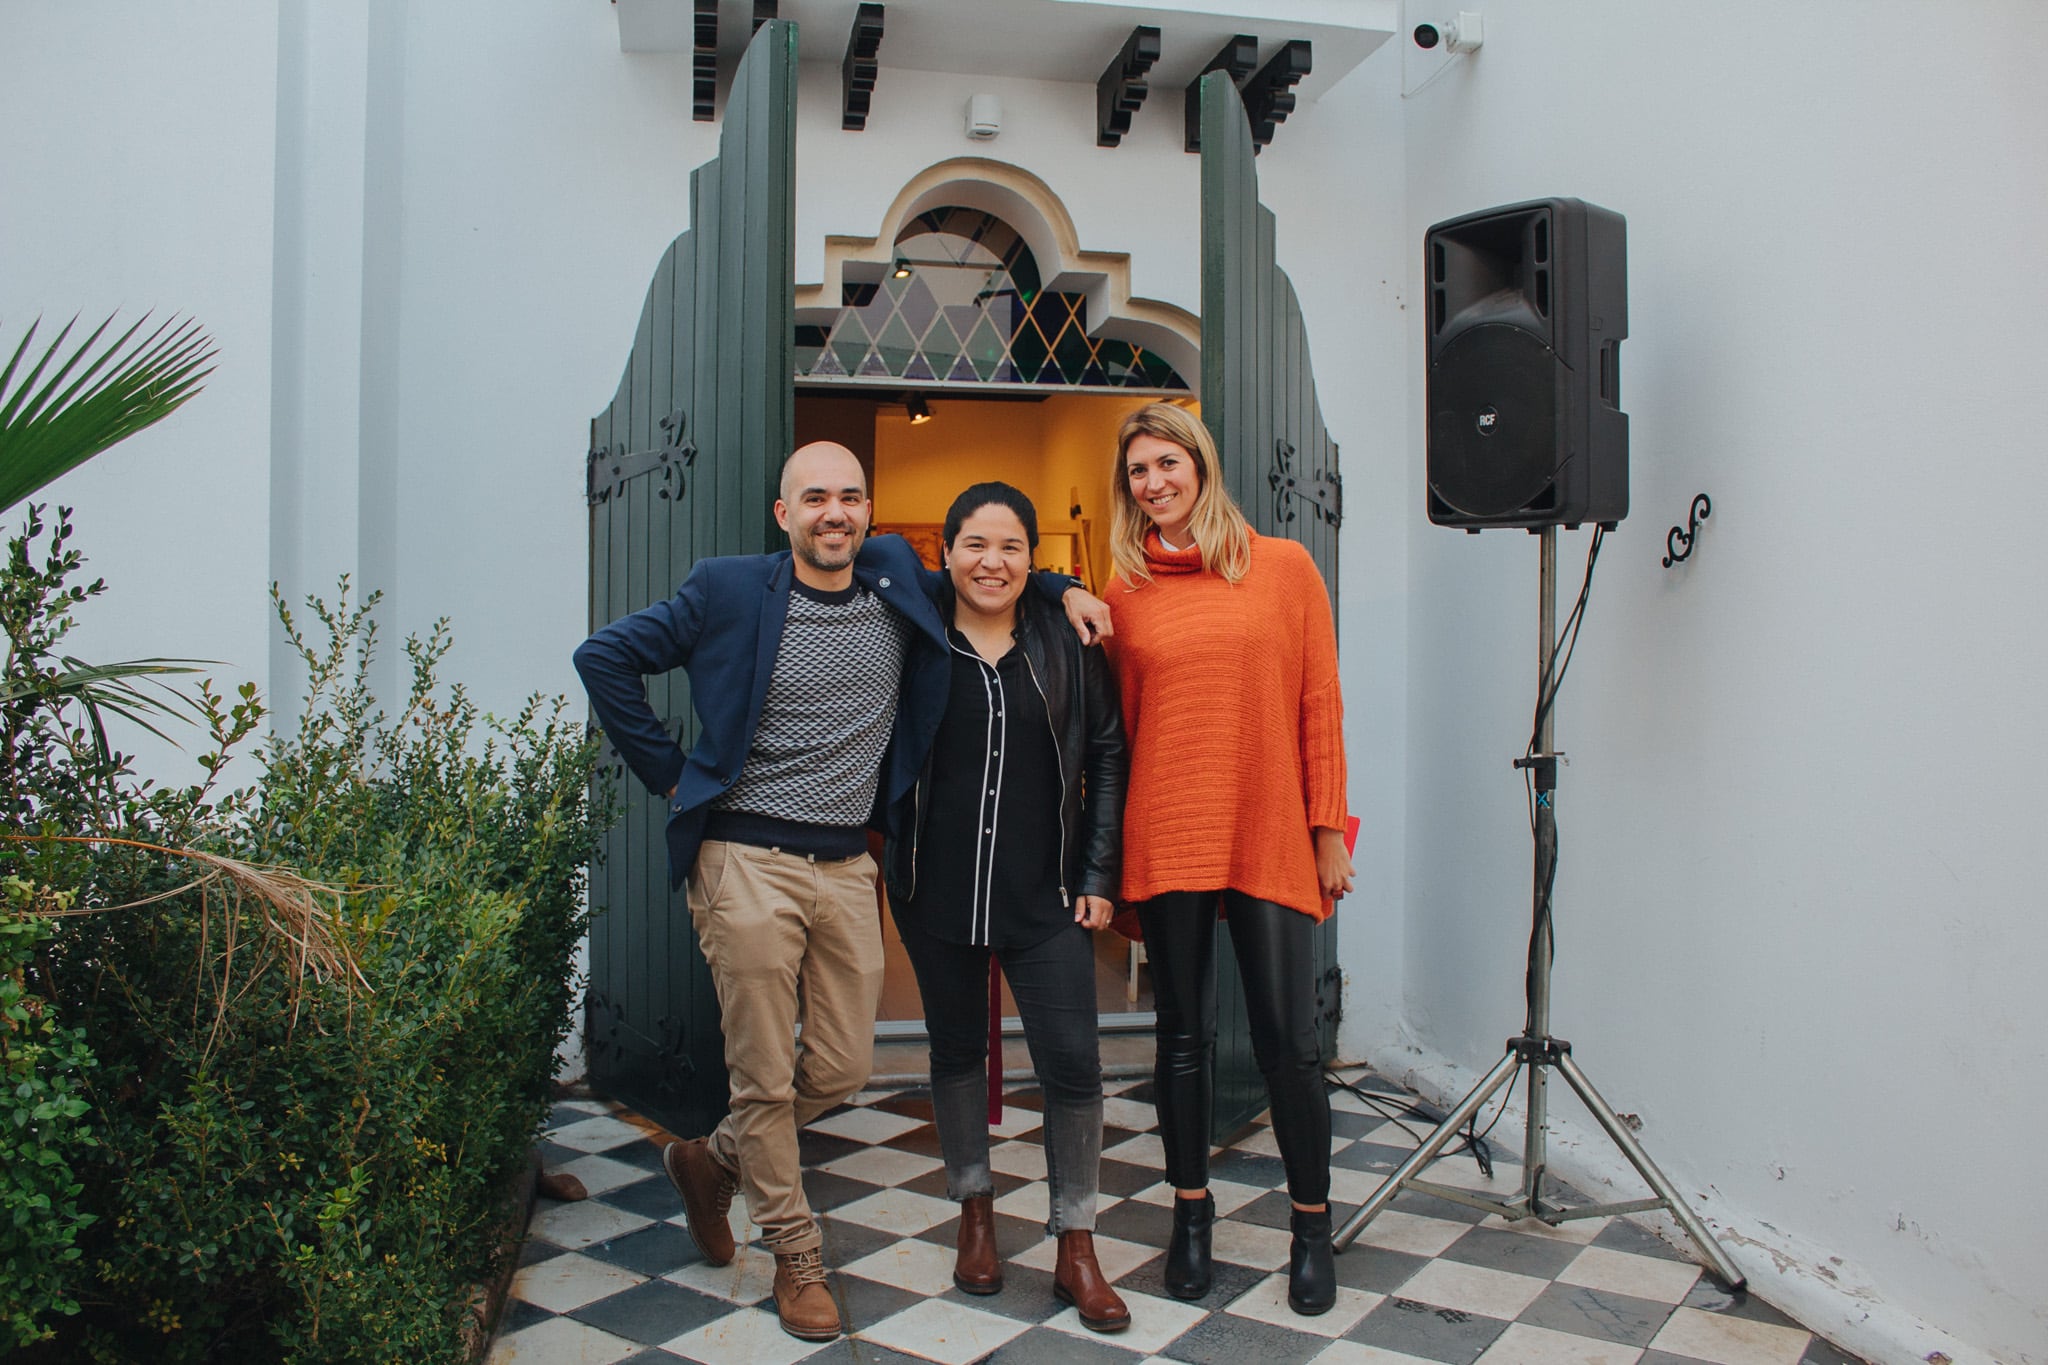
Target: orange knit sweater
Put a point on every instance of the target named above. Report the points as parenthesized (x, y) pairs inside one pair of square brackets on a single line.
[(1235, 723)]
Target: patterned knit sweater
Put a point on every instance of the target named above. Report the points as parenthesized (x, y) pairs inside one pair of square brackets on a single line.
[(1235, 723)]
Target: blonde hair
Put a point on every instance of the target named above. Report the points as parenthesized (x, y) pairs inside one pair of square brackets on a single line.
[(1219, 528)]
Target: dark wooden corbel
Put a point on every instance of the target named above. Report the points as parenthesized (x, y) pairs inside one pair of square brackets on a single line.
[(1238, 56), (1269, 96), (1122, 89), (704, 64), (858, 72)]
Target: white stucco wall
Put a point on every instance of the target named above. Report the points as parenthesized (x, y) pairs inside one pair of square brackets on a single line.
[(1795, 900), (1797, 905), (134, 180), (523, 177)]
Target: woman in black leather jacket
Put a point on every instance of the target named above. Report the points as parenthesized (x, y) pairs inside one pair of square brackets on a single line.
[(1009, 846)]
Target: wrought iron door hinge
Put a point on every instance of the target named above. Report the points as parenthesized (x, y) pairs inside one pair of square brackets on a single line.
[(675, 1066), (606, 474), (1325, 492), (1330, 996), (601, 1028)]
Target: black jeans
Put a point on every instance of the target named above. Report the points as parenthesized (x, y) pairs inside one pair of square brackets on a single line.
[(1274, 948), (1054, 983)]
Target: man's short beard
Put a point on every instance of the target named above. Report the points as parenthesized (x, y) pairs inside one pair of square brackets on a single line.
[(808, 551)]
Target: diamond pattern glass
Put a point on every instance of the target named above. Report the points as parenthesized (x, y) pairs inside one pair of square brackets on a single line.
[(971, 311)]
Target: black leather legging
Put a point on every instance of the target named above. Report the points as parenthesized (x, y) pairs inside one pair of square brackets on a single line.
[(1274, 957)]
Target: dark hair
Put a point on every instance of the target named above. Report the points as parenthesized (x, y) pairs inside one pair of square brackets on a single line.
[(997, 494)]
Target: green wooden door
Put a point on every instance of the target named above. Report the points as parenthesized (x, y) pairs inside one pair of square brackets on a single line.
[(682, 465), (1259, 400)]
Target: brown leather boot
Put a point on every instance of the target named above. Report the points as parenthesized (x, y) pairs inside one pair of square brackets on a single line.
[(707, 1189), (801, 1299), (978, 1270), (1077, 1279)]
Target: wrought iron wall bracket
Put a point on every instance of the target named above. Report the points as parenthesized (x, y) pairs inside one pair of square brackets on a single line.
[(858, 72), (606, 474), (1325, 492), (1679, 540), (1121, 88)]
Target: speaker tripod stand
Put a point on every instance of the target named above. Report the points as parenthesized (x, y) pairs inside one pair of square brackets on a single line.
[(1535, 1048)]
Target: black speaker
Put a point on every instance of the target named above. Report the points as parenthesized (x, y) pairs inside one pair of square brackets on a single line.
[(1528, 305)]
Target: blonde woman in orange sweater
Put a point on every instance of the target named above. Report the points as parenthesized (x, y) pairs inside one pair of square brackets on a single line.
[(1226, 660)]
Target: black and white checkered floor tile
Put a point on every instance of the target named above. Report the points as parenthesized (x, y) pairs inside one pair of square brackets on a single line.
[(614, 1278)]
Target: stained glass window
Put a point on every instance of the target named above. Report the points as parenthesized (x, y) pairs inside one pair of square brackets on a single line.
[(964, 305)]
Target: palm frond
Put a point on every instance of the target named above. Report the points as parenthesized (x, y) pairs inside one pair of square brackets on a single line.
[(107, 688), (90, 401)]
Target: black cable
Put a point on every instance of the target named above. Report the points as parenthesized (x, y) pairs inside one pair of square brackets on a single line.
[(1479, 1147), (1566, 645), (1393, 1109), (1385, 1105), (1542, 928), (1562, 649), (1476, 1141), (1547, 686), (1567, 641), (1505, 1100)]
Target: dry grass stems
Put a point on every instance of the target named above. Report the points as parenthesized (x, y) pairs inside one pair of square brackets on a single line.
[(297, 919)]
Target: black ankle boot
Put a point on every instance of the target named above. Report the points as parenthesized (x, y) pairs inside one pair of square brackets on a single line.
[(1311, 1275), (1188, 1270)]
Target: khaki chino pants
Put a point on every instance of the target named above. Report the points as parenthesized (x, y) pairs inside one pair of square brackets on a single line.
[(792, 942)]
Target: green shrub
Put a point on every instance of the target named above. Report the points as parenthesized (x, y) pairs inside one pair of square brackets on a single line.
[(309, 1102), (42, 1065)]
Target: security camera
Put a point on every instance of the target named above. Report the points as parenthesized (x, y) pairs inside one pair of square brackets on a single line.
[(984, 117), (1465, 35)]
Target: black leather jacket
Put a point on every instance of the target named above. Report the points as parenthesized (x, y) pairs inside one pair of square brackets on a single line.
[(1088, 730)]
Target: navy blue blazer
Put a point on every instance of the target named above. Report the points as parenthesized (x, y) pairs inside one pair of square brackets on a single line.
[(723, 628)]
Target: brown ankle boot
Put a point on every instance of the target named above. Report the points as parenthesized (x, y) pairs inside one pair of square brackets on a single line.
[(707, 1189), (801, 1299), (978, 1270), (1077, 1279)]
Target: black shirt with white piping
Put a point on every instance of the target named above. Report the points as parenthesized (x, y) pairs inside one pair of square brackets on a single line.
[(990, 866)]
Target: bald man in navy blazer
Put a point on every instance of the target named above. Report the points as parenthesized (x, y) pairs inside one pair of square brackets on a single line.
[(819, 675)]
